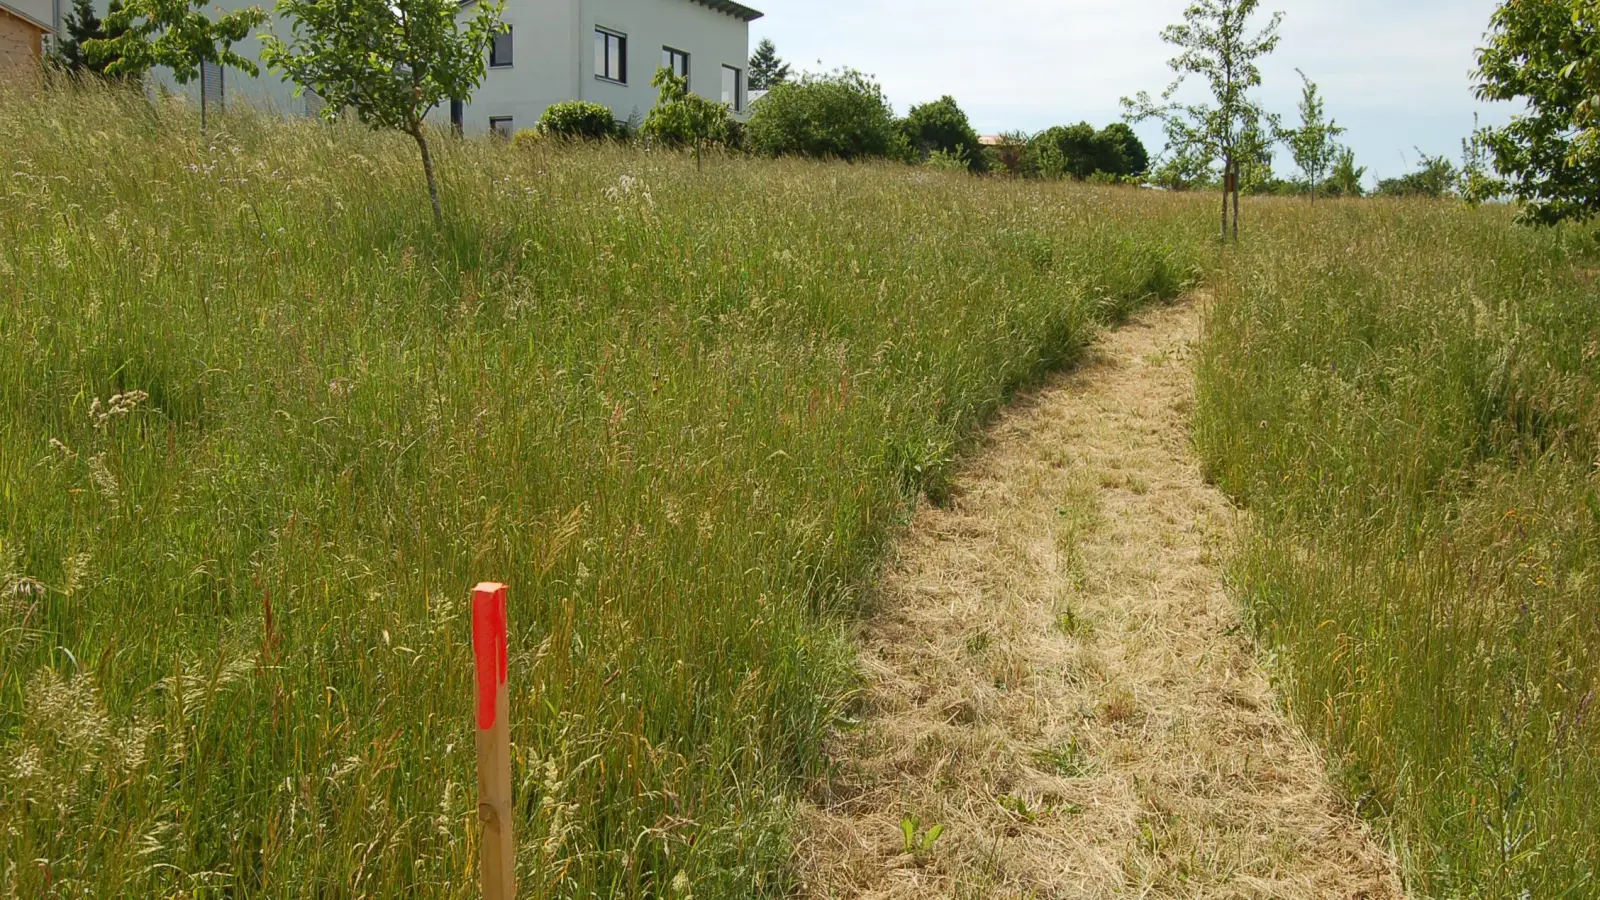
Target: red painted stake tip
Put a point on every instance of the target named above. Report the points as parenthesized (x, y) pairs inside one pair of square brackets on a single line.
[(488, 647)]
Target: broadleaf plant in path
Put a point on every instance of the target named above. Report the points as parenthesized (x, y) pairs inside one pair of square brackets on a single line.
[(388, 61), (1315, 144), (1217, 44), (177, 34)]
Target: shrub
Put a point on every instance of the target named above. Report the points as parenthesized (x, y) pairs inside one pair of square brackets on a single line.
[(947, 161), (1135, 158), (578, 119), (1010, 156), (840, 115), (1078, 152), (1075, 151), (1435, 177), (682, 119), (1185, 172), (941, 126), (526, 139)]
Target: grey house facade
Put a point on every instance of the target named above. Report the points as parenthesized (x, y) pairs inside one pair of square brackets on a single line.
[(604, 51)]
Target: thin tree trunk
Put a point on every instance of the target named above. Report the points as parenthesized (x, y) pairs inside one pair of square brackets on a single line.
[(1236, 175), (427, 170), (1227, 171), (1236, 179)]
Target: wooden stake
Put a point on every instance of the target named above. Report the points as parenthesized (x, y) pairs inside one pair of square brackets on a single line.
[(497, 851)]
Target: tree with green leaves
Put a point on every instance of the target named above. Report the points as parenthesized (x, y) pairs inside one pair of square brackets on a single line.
[(1122, 144), (682, 119), (1185, 171), (1345, 178), (838, 115), (1436, 177), (176, 34), (1076, 152), (1478, 183), (1252, 159), (766, 69), (1315, 143), (1545, 54), (389, 61), (943, 127), (81, 25), (1216, 43)]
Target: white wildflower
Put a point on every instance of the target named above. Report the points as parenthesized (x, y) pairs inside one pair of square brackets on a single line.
[(103, 479), (623, 189), (74, 571), (119, 406), (27, 764)]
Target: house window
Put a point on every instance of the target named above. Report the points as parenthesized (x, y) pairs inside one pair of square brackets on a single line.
[(500, 50), (733, 87), (500, 126), (610, 56), (676, 60)]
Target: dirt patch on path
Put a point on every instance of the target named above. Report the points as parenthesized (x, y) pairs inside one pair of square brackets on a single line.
[(1056, 677)]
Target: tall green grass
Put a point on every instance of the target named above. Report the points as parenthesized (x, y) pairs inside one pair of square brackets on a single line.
[(1408, 395), (261, 428)]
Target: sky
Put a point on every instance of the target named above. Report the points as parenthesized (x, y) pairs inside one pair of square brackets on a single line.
[(1396, 73)]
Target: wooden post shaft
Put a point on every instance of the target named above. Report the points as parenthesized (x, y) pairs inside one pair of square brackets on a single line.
[(497, 850)]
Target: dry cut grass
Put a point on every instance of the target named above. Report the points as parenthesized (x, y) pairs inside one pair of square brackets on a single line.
[(1055, 676)]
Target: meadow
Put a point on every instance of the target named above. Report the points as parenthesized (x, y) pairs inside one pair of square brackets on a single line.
[(261, 428), (1407, 396)]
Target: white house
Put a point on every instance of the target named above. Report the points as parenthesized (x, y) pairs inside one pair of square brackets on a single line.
[(605, 51)]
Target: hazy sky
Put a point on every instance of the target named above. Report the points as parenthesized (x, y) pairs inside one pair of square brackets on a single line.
[(1397, 73)]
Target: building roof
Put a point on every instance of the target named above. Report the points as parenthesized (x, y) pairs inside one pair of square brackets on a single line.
[(42, 26), (737, 10)]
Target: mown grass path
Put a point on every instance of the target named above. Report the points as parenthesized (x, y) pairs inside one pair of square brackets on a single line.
[(1056, 675)]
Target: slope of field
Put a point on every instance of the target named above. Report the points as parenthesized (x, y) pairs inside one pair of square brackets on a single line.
[(260, 429), (1408, 396)]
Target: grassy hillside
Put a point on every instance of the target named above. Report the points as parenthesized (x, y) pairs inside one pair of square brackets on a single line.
[(261, 428), (1408, 395)]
